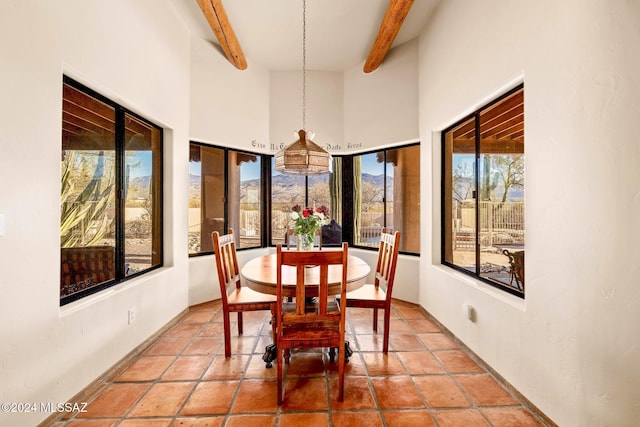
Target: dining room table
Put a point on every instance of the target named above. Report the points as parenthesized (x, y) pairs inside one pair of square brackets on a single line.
[(260, 274)]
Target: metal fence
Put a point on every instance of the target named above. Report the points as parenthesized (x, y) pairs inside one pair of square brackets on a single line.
[(250, 227), (500, 223), (249, 222)]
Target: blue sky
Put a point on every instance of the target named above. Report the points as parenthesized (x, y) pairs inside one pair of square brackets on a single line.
[(248, 170), (143, 161)]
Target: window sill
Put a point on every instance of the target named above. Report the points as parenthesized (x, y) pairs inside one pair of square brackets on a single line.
[(514, 301)]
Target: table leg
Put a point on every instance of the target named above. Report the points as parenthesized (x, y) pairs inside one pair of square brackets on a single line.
[(270, 354), (347, 351)]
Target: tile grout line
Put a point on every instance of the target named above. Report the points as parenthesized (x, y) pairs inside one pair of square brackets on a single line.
[(198, 380), (117, 372), (524, 402), (242, 378), (158, 379)]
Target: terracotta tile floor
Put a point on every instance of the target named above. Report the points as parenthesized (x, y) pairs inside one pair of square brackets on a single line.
[(183, 379)]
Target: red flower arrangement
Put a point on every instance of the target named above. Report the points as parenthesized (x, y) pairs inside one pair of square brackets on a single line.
[(307, 221)]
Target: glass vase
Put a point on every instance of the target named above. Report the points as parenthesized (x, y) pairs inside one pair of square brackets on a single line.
[(306, 241)]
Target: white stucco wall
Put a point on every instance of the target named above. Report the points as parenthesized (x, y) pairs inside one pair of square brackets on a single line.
[(229, 107), (571, 347), (136, 53), (324, 108), (381, 107)]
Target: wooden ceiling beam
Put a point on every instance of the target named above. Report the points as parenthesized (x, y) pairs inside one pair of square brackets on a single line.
[(81, 123), (88, 142), (393, 19), (486, 124), (507, 114), (518, 134), (465, 130), (71, 109), (515, 101), (490, 146), (217, 18), (73, 96), (496, 126), (137, 127), (509, 132)]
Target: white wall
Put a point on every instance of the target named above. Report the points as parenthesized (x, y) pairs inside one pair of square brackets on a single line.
[(351, 111), (381, 107), (136, 53), (406, 283), (571, 347), (381, 110), (229, 107), (324, 108)]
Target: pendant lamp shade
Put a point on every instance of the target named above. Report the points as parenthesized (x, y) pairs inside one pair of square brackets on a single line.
[(303, 157)]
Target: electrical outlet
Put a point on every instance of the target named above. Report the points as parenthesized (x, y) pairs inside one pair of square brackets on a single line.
[(470, 312), (131, 315)]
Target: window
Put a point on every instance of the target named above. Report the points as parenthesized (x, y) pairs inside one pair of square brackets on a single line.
[(243, 191), (225, 191), (386, 193), (483, 193), (311, 191), (111, 193)]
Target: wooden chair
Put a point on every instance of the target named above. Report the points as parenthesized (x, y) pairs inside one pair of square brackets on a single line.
[(378, 295), (235, 298), (291, 233), (516, 267), (306, 324)]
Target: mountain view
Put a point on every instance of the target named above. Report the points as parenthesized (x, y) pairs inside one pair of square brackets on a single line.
[(285, 188)]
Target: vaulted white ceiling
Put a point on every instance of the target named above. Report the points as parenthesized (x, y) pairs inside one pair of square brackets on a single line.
[(340, 33)]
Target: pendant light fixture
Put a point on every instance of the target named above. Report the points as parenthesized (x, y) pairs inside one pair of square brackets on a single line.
[(303, 157)]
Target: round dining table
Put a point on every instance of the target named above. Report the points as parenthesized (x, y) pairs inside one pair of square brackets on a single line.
[(260, 275)]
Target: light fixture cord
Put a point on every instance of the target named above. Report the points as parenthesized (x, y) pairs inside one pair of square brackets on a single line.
[(304, 64)]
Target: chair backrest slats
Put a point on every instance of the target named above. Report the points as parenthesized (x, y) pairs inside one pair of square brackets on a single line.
[(226, 263), (300, 290), (313, 259), (387, 260)]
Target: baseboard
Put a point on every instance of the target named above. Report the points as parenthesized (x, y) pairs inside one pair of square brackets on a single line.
[(534, 409), (89, 390)]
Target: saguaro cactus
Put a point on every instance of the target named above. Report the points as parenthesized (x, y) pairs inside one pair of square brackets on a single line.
[(84, 220)]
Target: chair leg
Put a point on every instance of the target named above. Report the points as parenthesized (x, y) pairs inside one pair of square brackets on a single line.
[(227, 334), (341, 362), (239, 323), (347, 351), (385, 339), (273, 327), (270, 353), (280, 378), (375, 320)]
